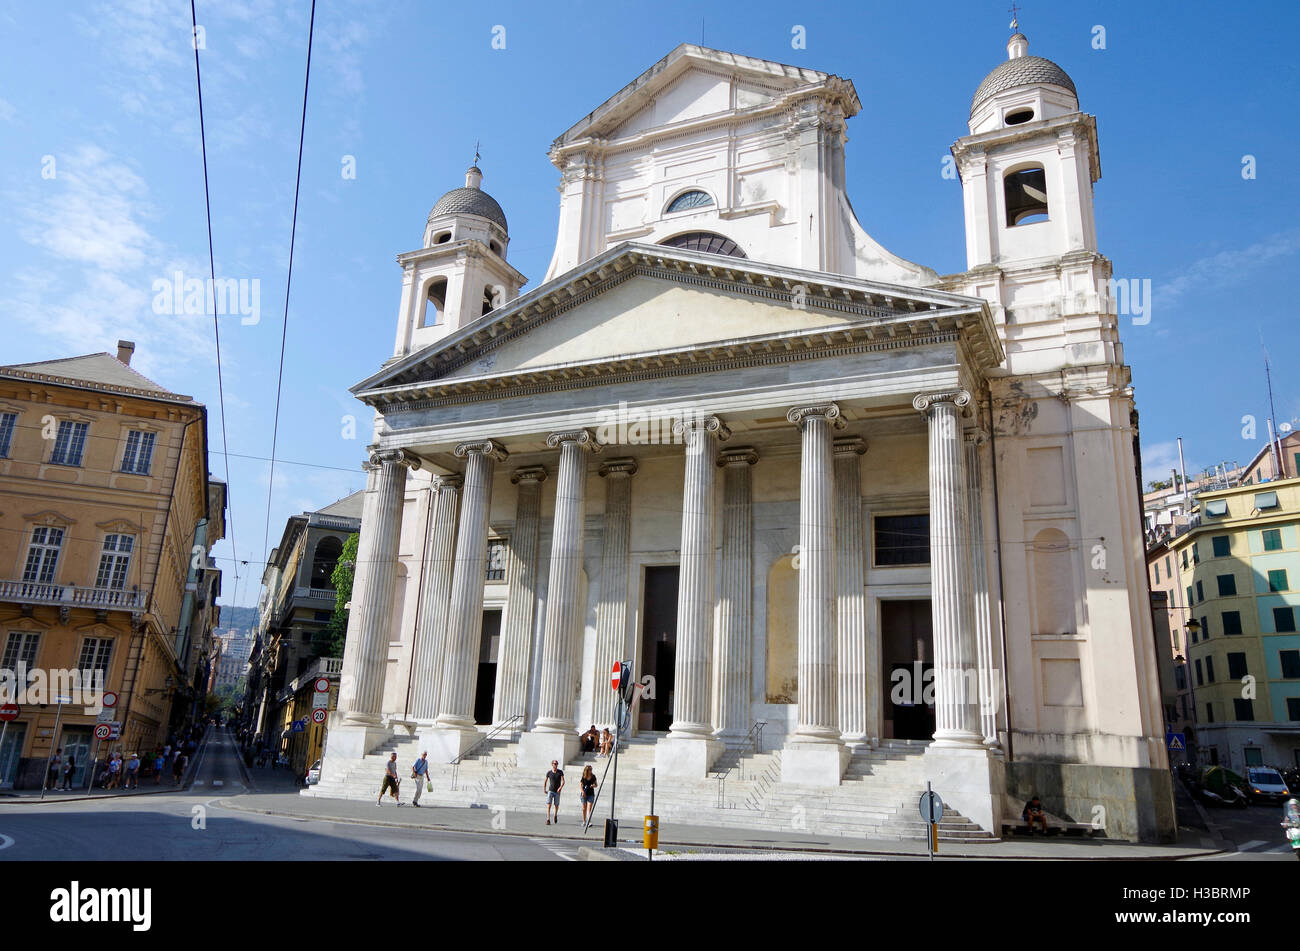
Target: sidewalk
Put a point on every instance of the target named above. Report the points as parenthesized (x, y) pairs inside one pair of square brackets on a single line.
[(677, 838), (147, 787)]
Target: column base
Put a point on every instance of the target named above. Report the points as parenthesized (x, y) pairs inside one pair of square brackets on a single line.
[(350, 741), (686, 757), (537, 750), (972, 781), (814, 764), (444, 744)]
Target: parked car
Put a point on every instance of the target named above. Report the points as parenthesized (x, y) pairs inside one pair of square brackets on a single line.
[(313, 773), (1265, 784)]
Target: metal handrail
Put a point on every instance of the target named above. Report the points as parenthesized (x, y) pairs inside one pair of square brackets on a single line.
[(496, 731), (753, 743)]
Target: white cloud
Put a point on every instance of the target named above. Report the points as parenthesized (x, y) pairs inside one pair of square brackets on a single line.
[(1227, 267), (7, 110)]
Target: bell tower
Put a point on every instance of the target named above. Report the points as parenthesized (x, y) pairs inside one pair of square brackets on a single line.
[(1027, 169), (460, 274)]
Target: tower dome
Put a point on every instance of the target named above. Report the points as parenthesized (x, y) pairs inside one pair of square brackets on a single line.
[(1020, 69), (470, 200)]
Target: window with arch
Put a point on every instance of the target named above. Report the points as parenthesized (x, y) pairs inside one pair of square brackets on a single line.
[(1053, 574), (688, 200), (441, 237), (1025, 191), (705, 241), (324, 560), (496, 248), (435, 301), (490, 300)]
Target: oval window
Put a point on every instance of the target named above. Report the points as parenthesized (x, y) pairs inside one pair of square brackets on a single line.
[(1019, 116)]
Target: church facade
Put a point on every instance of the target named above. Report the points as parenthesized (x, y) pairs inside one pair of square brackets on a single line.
[(801, 484)]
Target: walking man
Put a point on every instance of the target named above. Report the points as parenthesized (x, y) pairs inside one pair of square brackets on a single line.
[(553, 784), (420, 773), (133, 772), (390, 781)]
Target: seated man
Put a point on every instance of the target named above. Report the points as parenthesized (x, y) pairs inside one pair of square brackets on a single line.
[(590, 739), (1034, 813)]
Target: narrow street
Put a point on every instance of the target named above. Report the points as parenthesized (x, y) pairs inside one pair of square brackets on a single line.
[(189, 826)]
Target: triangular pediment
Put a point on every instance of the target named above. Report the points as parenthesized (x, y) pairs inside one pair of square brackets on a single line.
[(651, 305), (691, 82)]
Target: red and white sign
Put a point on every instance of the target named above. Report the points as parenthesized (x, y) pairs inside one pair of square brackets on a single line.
[(616, 676), (318, 715), (322, 685), (102, 731), (110, 699), (10, 711)]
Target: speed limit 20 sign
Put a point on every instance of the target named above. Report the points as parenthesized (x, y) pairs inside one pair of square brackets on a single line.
[(318, 715), (103, 731)]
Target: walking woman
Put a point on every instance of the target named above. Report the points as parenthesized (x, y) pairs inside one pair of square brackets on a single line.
[(588, 791)]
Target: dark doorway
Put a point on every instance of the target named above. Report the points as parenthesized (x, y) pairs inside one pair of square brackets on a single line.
[(486, 691), (659, 646), (908, 665)]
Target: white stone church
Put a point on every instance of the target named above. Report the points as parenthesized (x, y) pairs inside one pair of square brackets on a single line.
[(853, 522)]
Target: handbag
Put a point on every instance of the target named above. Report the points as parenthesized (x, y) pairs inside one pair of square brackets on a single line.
[(428, 787)]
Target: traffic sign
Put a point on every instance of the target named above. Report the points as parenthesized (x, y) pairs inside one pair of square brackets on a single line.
[(1176, 741), (115, 730), (298, 726), (616, 676), (318, 715), (110, 699), (106, 715), (322, 685), (931, 807), (10, 711), (102, 731), (320, 700)]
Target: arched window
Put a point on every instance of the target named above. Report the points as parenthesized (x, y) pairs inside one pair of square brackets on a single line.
[(323, 562), (489, 299), (1026, 195), (435, 301), (1053, 583), (705, 241), (442, 238), (496, 247), (687, 200)]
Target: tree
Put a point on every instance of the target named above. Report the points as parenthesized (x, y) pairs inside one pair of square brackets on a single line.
[(328, 642)]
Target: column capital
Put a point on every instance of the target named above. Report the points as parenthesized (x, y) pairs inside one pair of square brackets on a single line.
[(710, 425), (850, 446), (380, 457), (583, 437), (830, 411), (485, 447), (528, 474), (739, 456), (625, 466), (923, 401), (452, 480)]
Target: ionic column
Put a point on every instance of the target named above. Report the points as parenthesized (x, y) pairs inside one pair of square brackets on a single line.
[(465, 614), (439, 559), (611, 609), (990, 683), (851, 611), (956, 706), (564, 610), (818, 688), (361, 684), (732, 660), (515, 659), (553, 735), (690, 748)]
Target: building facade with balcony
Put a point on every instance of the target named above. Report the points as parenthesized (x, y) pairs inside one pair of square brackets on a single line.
[(104, 501), (296, 605), (1236, 573)]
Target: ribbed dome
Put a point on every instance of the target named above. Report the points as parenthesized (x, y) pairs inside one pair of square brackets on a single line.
[(1021, 71), (470, 201)]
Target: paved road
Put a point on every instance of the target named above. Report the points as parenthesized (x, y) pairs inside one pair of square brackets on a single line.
[(187, 825), (1254, 831)]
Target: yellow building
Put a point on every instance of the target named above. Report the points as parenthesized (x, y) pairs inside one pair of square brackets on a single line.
[(1236, 572), (107, 516)]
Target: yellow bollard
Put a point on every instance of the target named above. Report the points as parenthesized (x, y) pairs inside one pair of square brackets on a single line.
[(651, 832)]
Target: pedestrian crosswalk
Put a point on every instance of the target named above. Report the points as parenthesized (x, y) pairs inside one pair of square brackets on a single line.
[(565, 851)]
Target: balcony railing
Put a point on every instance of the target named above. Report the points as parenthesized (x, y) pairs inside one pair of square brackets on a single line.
[(316, 594), (324, 667), (73, 596)]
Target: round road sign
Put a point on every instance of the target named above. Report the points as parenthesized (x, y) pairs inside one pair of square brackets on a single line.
[(10, 711), (322, 684), (103, 731), (318, 715), (616, 676), (110, 699), (931, 807)]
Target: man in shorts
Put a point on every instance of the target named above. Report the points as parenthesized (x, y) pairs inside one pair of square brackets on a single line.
[(390, 781), (554, 785)]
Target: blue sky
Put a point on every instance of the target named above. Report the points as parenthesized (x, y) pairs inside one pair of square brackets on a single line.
[(1182, 92)]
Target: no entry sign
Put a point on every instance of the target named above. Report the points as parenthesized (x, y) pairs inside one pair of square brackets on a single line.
[(10, 711)]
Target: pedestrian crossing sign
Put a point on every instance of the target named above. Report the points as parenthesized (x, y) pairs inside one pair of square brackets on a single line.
[(1176, 741)]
